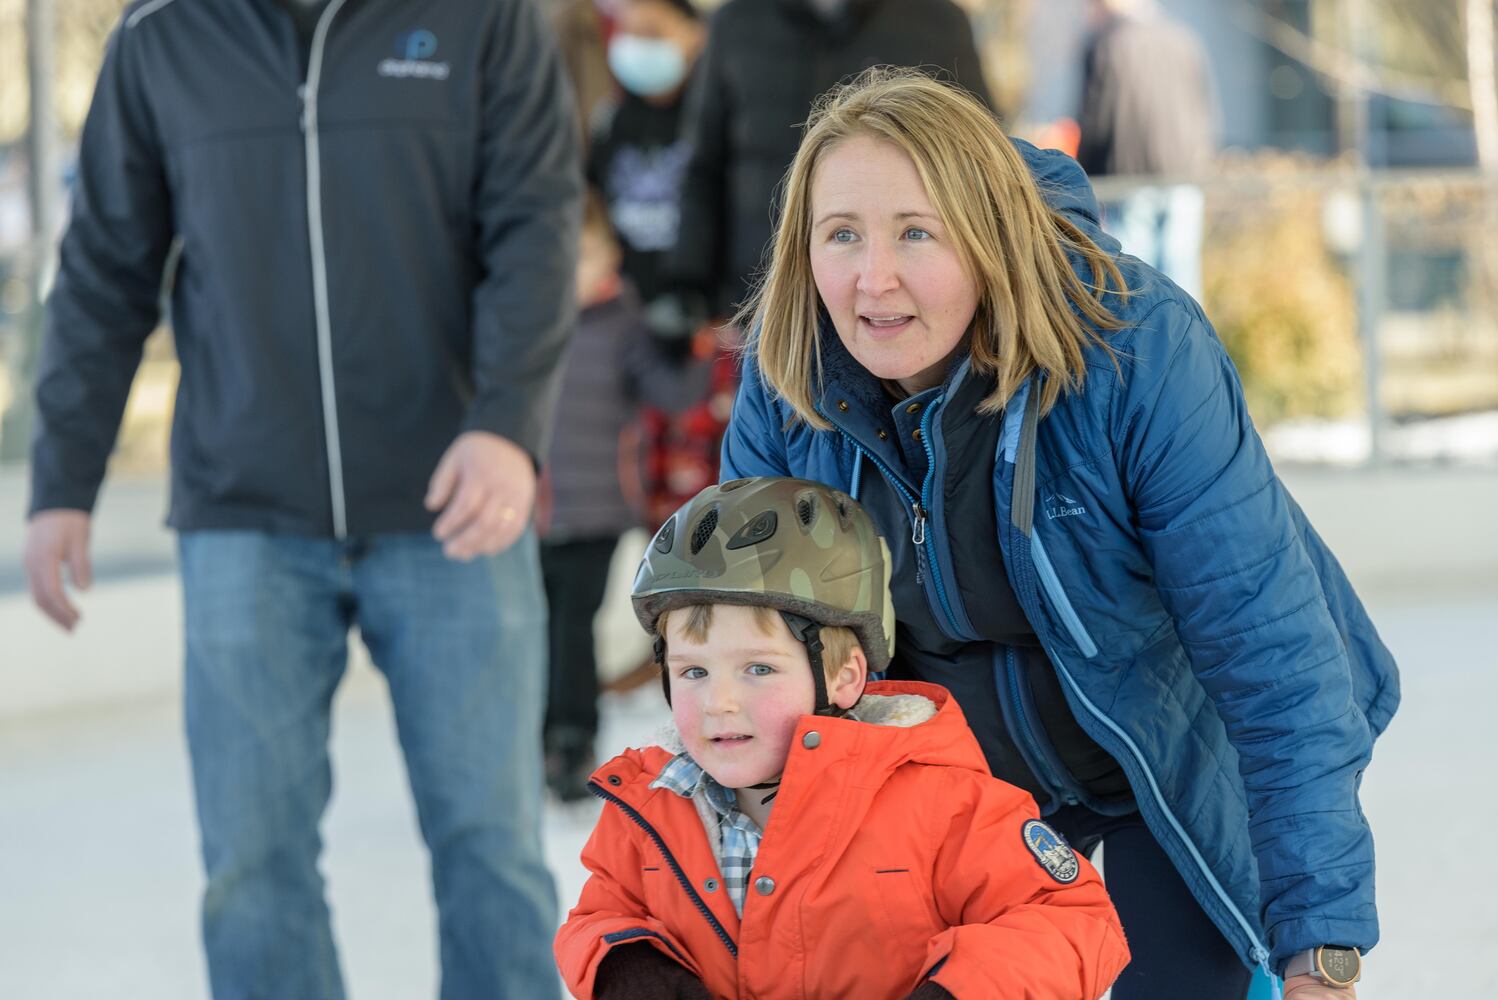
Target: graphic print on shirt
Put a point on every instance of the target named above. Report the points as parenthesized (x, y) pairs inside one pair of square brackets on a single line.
[(414, 51), (644, 188)]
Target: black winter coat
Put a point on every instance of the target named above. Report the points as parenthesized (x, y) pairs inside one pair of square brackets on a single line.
[(375, 256), (765, 63)]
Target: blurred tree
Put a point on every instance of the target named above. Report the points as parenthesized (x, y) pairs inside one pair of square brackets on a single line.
[(1282, 304), (83, 26)]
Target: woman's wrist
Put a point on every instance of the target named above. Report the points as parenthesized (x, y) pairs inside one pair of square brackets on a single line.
[(1308, 987)]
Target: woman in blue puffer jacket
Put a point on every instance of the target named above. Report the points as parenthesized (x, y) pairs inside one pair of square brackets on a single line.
[(1090, 547)]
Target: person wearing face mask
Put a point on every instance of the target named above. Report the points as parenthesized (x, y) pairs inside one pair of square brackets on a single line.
[(637, 157)]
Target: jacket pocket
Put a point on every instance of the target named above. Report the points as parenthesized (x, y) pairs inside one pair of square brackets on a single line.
[(906, 912)]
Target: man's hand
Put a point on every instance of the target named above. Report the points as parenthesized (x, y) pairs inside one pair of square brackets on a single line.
[(485, 487), (55, 538), (1311, 988)]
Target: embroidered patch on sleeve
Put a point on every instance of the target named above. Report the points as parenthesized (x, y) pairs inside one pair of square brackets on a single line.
[(1051, 852)]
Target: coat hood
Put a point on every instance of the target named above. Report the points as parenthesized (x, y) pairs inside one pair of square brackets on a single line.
[(895, 723)]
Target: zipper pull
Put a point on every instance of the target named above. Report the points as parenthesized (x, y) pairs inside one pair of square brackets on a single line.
[(918, 533), (301, 94)]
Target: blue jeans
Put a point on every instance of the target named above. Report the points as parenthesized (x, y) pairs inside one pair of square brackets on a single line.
[(463, 649)]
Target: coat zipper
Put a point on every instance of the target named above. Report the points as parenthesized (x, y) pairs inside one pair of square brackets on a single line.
[(918, 505), (1061, 604), (925, 505), (310, 138), (681, 876), (918, 534), (1055, 594)]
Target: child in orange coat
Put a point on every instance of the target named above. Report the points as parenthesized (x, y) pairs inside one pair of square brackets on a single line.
[(814, 835)]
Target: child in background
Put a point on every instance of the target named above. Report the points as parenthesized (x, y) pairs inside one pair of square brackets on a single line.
[(811, 834), (613, 366)]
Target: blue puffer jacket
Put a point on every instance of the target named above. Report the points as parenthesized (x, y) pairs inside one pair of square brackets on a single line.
[(1204, 634)]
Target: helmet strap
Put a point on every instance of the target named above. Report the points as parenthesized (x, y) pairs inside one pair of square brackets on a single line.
[(809, 633), (773, 785), (660, 660)]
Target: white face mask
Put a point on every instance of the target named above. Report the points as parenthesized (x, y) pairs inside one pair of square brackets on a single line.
[(647, 67)]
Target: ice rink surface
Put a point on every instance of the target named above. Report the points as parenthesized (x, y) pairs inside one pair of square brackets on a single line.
[(98, 853)]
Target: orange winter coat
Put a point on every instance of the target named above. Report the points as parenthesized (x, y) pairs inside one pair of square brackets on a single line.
[(894, 857)]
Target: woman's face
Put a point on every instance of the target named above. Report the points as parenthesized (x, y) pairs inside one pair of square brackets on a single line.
[(886, 268)]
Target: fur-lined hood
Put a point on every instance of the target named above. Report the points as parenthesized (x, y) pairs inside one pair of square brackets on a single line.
[(921, 723)]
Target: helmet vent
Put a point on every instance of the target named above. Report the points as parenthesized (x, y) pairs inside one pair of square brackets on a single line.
[(761, 529), (806, 510), (666, 537), (705, 529), (732, 485)]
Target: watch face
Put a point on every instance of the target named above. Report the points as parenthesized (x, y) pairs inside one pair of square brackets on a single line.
[(1338, 965)]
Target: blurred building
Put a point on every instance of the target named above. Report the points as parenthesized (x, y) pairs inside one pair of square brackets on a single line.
[(1269, 98)]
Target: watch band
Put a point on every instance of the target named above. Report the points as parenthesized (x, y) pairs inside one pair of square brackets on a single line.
[(1311, 962), (1302, 964)]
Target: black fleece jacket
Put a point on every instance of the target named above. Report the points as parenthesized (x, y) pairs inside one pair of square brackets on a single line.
[(765, 63), (376, 254)]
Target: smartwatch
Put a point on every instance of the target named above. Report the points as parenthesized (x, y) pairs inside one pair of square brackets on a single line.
[(1333, 964)]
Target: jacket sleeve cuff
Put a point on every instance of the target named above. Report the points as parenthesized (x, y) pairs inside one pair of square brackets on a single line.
[(519, 417), (51, 491), (1291, 937)]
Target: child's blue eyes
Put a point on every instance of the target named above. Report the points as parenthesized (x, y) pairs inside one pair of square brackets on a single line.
[(755, 669), (844, 235)]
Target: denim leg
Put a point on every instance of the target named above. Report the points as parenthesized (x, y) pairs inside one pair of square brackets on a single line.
[(266, 642), (463, 647)]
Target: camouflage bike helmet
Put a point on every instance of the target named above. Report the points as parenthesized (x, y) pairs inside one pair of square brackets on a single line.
[(806, 550)]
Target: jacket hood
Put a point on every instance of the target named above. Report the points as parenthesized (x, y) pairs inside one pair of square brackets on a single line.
[(895, 723), (1065, 187)]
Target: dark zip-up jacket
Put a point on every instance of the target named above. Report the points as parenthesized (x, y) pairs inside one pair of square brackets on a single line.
[(1203, 634), (375, 256), (766, 61)]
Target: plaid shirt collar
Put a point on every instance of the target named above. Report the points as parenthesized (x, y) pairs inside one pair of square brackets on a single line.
[(739, 835)]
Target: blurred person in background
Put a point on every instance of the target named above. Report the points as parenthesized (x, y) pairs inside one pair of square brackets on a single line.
[(766, 62), (638, 157), (376, 207), (582, 29), (1149, 107), (614, 363)]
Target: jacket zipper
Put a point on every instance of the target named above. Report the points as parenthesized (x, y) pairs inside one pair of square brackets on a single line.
[(681, 876), (918, 519), (1063, 607), (925, 505), (918, 533), (310, 139), (1055, 594)]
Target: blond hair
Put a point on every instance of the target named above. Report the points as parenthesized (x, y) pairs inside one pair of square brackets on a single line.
[(838, 643), (1034, 313)]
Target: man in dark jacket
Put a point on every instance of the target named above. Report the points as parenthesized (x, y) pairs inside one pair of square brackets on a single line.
[(376, 214), (766, 62), (1149, 107)]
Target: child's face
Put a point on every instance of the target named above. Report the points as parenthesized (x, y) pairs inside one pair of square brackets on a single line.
[(736, 697)]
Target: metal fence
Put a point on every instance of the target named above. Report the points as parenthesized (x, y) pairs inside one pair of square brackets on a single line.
[(1361, 309)]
